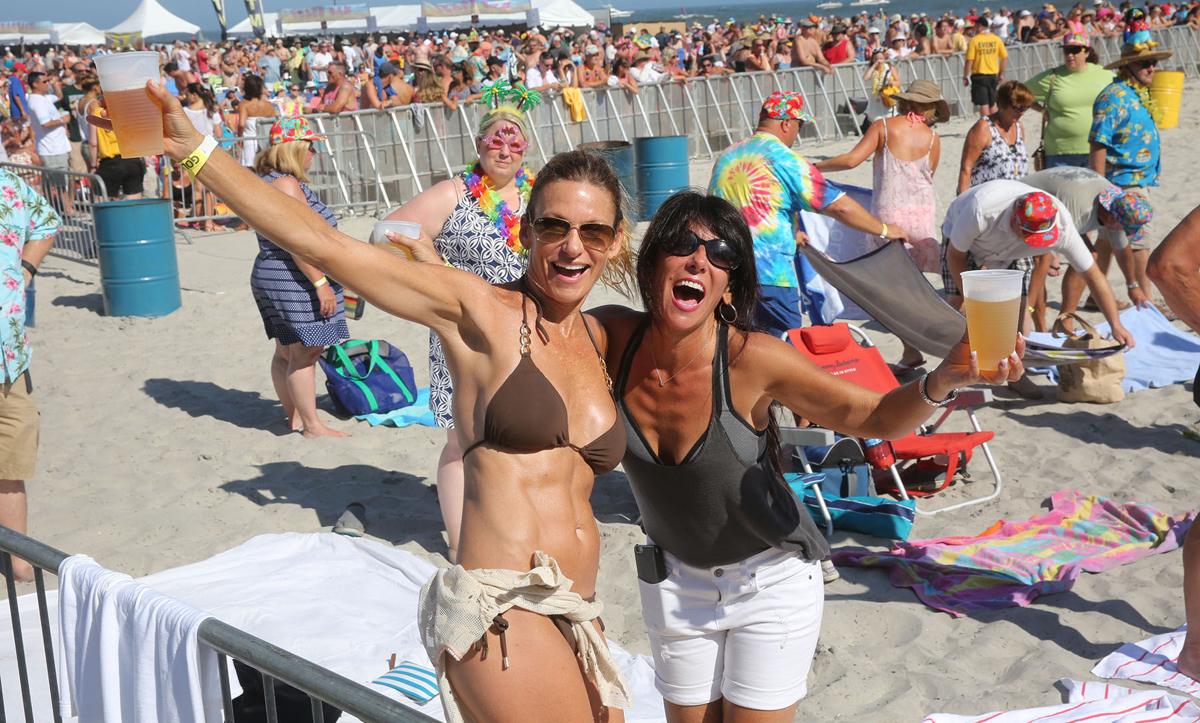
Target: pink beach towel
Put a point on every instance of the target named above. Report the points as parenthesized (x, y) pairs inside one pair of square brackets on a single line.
[(1012, 563)]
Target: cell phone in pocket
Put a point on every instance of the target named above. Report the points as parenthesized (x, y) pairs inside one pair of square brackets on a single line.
[(651, 565)]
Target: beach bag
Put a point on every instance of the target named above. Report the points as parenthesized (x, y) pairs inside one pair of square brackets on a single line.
[(890, 88), (1098, 381), (845, 475), (367, 377)]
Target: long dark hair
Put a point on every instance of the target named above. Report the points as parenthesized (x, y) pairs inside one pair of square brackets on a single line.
[(682, 212), (691, 208), (206, 96)]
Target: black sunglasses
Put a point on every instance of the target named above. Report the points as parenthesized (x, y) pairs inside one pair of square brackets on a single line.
[(596, 236), (720, 252), (1145, 64), (1073, 49)]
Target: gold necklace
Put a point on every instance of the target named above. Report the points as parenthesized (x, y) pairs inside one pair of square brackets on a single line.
[(663, 382)]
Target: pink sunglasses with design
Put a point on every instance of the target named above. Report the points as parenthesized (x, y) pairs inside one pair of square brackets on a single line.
[(506, 137)]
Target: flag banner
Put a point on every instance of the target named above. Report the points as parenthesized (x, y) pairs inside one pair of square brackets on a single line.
[(120, 41), (326, 14), (18, 27), (219, 6), (475, 7), (255, 11)]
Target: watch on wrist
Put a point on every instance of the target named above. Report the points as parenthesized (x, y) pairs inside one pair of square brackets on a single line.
[(923, 387), (1133, 285)]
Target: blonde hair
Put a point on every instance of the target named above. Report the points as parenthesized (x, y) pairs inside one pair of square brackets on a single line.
[(500, 113), (286, 158)]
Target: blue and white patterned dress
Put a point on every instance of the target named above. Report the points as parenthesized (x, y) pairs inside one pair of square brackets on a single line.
[(471, 242), (286, 298)]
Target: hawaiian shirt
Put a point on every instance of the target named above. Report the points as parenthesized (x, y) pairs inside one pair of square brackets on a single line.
[(771, 184), (24, 216), (1123, 124)]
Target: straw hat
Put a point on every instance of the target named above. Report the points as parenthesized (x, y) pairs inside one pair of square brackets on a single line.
[(925, 91), (1137, 44)]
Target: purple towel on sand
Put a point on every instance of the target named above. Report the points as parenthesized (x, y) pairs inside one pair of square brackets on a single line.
[(1012, 563)]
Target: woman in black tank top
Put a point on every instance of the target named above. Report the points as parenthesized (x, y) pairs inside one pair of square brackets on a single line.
[(741, 597)]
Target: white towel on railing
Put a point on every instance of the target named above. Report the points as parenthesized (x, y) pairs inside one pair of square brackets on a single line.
[(130, 654)]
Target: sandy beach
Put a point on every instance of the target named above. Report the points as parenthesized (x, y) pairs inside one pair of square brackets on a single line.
[(162, 444)]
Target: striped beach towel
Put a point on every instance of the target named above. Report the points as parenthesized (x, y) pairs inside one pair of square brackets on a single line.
[(1012, 563), (1094, 703), (1153, 660), (414, 681)]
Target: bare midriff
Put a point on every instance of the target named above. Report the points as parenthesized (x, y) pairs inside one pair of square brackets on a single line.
[(516, 504)]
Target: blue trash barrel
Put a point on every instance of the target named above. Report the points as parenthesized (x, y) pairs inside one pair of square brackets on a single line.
[(662, 170), (138, 270), (619, 155)]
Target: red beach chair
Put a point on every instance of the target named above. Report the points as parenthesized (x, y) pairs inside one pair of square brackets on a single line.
[(836, 351)]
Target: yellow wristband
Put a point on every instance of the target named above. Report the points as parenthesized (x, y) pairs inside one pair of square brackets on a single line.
[(883, 233), (320, 282), (197, 158)]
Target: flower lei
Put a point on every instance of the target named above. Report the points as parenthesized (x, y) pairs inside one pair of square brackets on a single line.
[(483, 190)]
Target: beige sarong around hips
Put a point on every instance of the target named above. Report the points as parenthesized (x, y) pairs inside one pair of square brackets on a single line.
[(457, 606)]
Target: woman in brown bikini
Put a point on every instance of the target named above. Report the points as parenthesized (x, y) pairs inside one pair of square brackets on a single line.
[(512, 628)]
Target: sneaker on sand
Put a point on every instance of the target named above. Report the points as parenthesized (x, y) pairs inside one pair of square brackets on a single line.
[(828, 571), (353, 522)]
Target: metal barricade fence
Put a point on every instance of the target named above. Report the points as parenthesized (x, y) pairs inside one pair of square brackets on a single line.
[(73, 196), (380, 159), (274, 664)]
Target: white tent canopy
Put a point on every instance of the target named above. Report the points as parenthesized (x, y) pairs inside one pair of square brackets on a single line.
[(151, 19), (387, 17), (79, 34), (68, 33), (551, 13)]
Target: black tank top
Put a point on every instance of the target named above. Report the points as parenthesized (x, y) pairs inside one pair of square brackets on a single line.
[(725, 501)]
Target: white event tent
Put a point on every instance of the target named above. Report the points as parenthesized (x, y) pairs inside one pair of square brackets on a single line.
[(151, 19), (68, 34), (551, 13)]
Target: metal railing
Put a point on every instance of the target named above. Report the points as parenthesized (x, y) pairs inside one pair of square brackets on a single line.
[(274, 664), (377, 159), (73, 196), (380, 158)]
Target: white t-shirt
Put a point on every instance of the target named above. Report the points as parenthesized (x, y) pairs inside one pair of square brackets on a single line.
[(352, 57), (53, 142), (647, 74), (184, 60), (980, 222), (535, 78)]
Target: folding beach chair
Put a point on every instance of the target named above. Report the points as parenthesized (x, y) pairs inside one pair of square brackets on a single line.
[(836, 350)]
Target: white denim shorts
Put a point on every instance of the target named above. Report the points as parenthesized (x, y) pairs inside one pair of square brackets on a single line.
[(745, 632)]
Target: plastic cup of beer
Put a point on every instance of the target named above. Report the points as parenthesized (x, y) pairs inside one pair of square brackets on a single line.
[(136, 119), (992, 304), (410, 229)]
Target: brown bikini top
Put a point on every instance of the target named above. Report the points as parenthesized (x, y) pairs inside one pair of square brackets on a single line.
[(527, 414)]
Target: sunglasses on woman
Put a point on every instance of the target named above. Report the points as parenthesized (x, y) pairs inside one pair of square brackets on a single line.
[(1073, 49), (720, 252), (515, 143), (595, 236)]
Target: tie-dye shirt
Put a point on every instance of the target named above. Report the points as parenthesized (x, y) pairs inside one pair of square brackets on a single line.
[(771, 184)]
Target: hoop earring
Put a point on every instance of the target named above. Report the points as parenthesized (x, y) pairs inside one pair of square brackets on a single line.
[(721, 313)]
